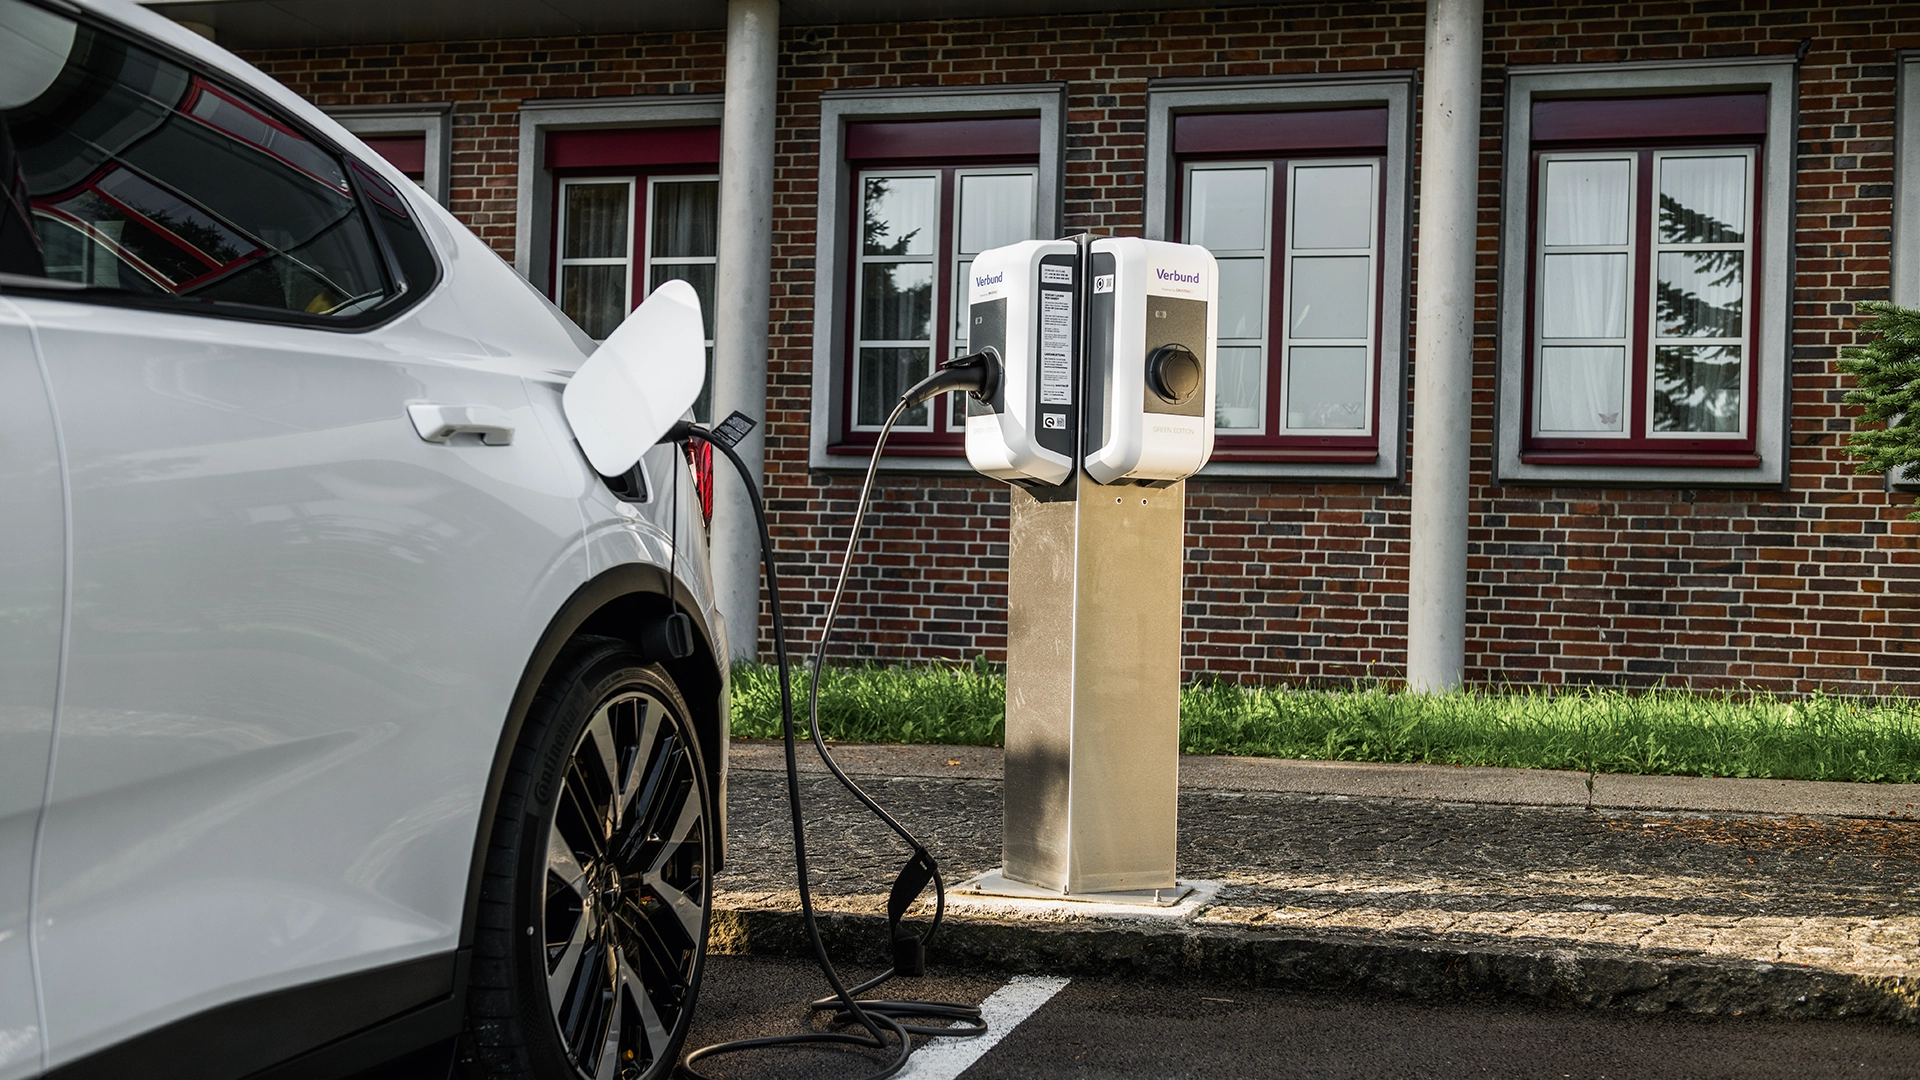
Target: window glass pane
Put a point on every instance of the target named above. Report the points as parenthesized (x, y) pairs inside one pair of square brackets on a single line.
[(1227, 209), (594, 297), (700, 276), (1703, 200), (1333, 207), (1326, 387), (1581, 388), (1243, 298), (899, 215), (1586, 201), (960, 288), (71, 254), (1696, 388), (995, 211), (896, 301), (885, 374), (686, 217), (1698, 293), (1583, 296), (135, 174), (596, 222), (1241, 389), (1330, 297)]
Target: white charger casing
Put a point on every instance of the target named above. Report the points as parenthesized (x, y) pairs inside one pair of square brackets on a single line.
[(1147, 296), (1023, 301)]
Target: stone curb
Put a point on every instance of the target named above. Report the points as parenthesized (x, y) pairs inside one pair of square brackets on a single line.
[(1408, 966)]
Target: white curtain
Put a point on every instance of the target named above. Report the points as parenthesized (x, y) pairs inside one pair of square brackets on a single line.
[(995, 210), (1580, 388), (1587, 202), (1227, 209), (1333, 207), (1583, 296)]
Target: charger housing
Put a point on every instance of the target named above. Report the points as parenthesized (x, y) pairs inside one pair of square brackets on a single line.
[(1152, 331), (1024, 301)]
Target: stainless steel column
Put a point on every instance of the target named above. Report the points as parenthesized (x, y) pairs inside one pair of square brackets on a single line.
[(741, 290), (1443, 347), (1093, 687)]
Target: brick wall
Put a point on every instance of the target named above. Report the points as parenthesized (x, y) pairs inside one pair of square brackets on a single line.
[(1818, 585)]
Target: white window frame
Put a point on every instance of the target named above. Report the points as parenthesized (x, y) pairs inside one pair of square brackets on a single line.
[(833, 311), (1745, 340), (561, 262), (1264, 253), (861, 260), (1372, 253), (1624, 342), (704, 407), (1168, 99), (1768, 327)]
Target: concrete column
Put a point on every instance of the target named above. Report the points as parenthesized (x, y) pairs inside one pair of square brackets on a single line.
[(741, 296), (1443, 347)]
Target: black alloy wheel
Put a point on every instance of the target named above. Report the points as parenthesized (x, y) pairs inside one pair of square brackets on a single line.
[(613, 850)]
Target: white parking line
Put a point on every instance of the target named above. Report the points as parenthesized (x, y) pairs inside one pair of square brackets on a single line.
[(1004, 1009)]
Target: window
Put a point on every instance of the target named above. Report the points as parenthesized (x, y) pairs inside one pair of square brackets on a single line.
[(913, 185), (1298, 190), (921, 222), (145, 182), (1297, 238), (910, 254), (1643, 295), (619, 235), (1642, 299), (414, 138)]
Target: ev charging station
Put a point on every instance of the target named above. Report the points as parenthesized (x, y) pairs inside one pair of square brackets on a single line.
[(1103, 408)]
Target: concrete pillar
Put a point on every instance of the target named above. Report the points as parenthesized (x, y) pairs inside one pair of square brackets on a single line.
[(1443, 347), (741, 296)]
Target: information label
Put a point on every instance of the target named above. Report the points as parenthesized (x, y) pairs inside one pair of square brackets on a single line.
[(1056, 347)]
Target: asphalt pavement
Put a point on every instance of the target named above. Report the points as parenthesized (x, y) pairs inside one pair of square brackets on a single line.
[(1097, 1028)]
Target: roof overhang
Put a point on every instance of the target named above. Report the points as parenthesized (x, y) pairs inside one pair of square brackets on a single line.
[(279, 24)]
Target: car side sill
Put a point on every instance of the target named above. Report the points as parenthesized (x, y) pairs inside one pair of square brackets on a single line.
[(300, 1033)]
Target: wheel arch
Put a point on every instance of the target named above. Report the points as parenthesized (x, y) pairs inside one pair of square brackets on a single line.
[(618, 604)]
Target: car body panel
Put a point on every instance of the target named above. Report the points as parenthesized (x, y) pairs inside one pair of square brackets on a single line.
[(299, 629), (32, 583), (283, 680)]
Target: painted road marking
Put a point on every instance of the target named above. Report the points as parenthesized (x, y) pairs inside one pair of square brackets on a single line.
[(1004, 1009)]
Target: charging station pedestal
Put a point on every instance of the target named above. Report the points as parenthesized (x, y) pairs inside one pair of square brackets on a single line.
[(1106, 406), (1093, 687)]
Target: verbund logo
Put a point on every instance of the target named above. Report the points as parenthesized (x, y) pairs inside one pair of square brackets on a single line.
[(1175, 275), (983, 282)]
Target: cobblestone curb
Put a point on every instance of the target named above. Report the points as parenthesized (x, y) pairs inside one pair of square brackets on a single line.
[(1649, 910), (1543, 972)]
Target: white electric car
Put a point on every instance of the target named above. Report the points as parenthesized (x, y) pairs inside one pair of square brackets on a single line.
[(344, 706)]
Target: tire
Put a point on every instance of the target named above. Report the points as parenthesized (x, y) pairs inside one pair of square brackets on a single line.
[(593, 917)]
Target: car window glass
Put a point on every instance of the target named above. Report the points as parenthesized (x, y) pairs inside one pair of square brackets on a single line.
[(131, 173)]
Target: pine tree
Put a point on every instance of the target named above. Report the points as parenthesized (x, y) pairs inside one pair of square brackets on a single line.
[(1886, 372)]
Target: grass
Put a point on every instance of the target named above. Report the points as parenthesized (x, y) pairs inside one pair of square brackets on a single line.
[(1671, 732)]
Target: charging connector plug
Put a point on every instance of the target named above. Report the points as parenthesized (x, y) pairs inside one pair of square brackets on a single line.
[(976, 373)]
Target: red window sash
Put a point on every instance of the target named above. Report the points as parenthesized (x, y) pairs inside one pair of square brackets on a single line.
[(1639, 446), (1274, 444)]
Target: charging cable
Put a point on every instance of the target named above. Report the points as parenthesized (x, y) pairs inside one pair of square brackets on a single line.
[(979, 375)]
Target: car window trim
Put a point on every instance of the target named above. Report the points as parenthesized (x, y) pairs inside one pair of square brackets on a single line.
[(404, 296)]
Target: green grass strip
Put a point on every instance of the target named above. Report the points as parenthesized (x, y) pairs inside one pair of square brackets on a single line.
[(1654, 732)]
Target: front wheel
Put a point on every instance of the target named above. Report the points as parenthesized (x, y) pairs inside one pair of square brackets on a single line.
[(593, 916)]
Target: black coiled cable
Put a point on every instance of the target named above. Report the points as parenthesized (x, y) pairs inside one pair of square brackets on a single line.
[(878, 1018)]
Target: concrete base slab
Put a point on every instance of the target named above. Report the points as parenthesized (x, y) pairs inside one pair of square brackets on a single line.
[(993, 893)]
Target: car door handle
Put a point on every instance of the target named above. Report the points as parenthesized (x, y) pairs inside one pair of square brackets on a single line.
[(440, 423)]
